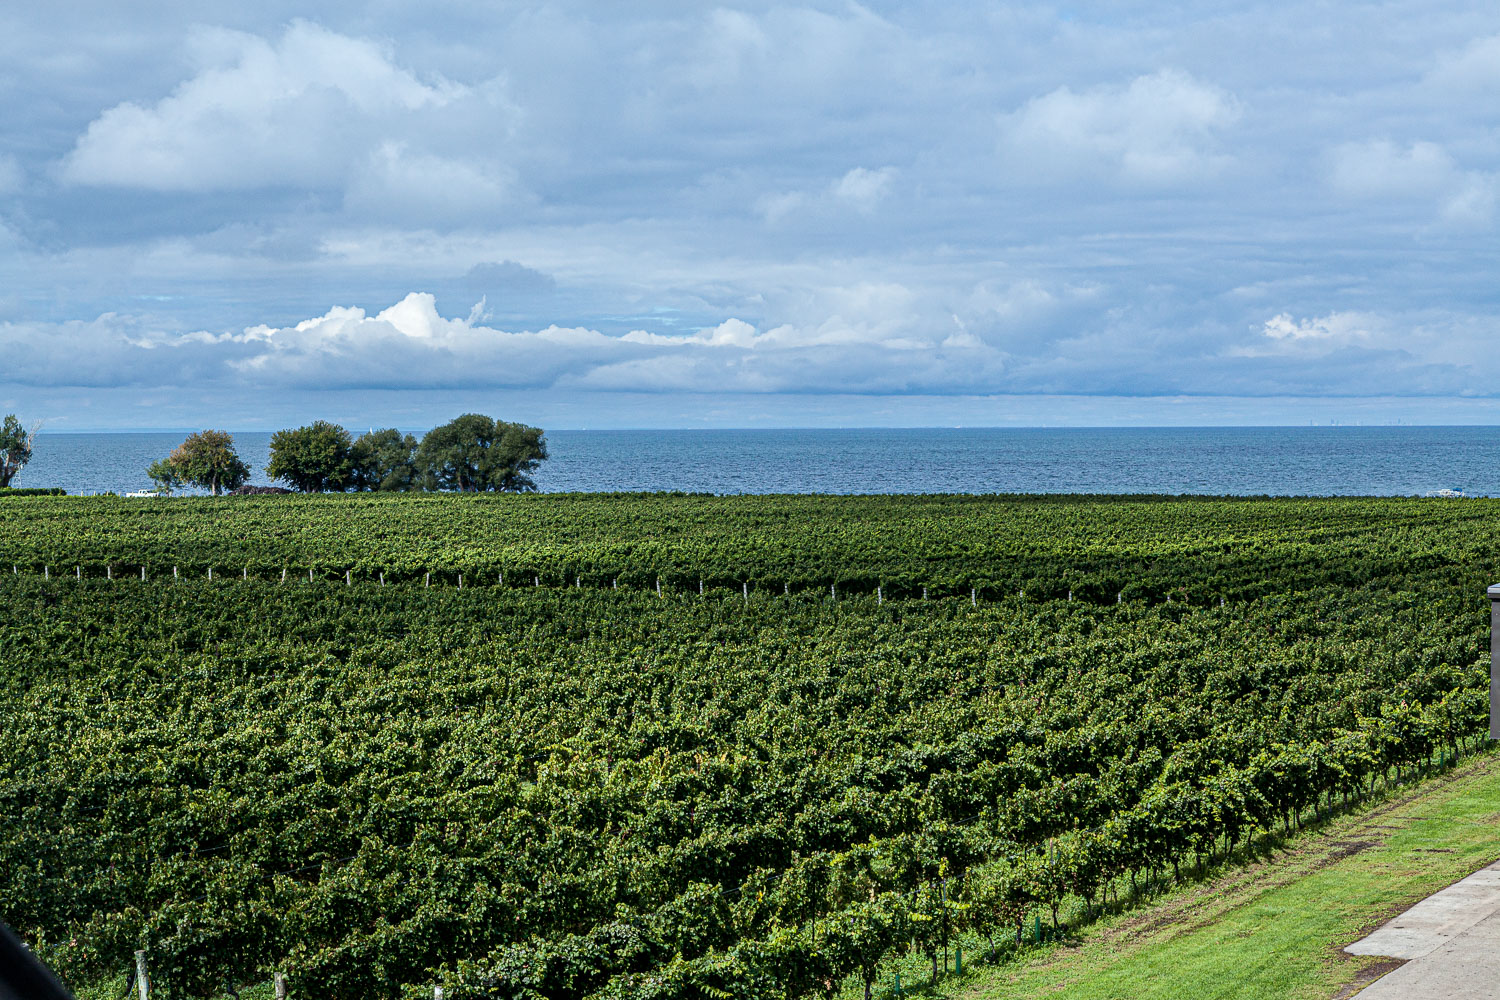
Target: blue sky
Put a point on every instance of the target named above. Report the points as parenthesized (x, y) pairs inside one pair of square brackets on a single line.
[(750, 215)]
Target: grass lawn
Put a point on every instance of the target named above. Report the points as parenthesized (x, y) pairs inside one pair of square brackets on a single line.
[(1274, 929)]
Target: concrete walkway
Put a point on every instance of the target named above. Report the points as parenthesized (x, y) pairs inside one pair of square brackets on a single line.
[(1450, 941)]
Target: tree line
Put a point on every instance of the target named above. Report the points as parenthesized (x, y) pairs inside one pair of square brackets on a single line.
[(471, 453)]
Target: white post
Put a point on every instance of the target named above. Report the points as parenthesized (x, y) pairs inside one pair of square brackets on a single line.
[(46, 572), (833, 593), (747, 591), (427, 579), (309, 574), (174, 572), (460, 581), (78, 572), (210, 572), (143, 572), (348, 578), (879, 595), (974, 596), (1120, 597), (536, 581), (437, 993), (109, 571), (502, 578), (617, 583), (578, 583), (924, 593), (245, 573), (142, 983), (658, 586), (700, 586), (382, 578), (1070, 595), (283, 574), (280, 987), (786, 588)]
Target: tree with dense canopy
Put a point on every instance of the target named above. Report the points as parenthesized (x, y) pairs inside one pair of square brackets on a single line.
[(313, 459), (475, 452), (15, 448), (383, 460), (206, 459)]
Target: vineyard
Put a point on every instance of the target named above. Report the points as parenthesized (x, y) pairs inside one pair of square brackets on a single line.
[(778, 775)]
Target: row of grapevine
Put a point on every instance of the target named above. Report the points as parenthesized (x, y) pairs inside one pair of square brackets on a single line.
[(371, 787), (1199, 550)]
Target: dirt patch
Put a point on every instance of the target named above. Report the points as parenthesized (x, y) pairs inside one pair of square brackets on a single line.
[(1367, 975), (1340, 849)]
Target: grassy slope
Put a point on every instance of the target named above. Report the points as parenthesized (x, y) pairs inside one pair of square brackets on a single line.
[(1276, 929)]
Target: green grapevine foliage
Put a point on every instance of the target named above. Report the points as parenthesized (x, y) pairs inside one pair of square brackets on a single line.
[(578, 791)]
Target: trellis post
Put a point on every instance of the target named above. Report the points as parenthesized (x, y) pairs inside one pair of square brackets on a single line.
[(280, 986), (142, 984)]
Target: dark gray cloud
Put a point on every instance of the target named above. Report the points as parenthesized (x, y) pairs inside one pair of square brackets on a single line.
[(507, 276)]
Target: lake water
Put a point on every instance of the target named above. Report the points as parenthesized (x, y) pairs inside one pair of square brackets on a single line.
[(1204, 460)]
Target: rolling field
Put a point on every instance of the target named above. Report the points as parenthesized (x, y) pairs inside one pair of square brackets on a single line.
[(559, 781)]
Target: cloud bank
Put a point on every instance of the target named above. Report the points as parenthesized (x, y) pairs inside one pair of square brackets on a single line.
[(810, 199)]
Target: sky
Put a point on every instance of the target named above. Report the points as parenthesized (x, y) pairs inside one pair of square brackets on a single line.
[(676, 215)]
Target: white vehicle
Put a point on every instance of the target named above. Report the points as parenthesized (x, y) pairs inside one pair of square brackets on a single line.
[(143, 493)]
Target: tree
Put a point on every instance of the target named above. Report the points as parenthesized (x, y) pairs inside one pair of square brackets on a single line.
[(164, 474), (205, 459), (15, 448), (312, 459), (383, 460), (476, 453)]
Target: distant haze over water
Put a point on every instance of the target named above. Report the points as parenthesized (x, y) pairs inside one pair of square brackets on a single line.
[(1205, 460)]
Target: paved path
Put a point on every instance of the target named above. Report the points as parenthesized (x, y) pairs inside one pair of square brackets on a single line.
[(1451, 941)]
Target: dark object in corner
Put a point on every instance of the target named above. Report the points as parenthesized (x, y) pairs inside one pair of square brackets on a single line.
[(256, 491), (22, 974)]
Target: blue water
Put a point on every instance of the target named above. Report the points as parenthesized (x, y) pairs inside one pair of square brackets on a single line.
[(1207, 460)]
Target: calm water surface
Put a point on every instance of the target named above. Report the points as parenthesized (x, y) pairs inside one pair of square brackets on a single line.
[(1208, 460)]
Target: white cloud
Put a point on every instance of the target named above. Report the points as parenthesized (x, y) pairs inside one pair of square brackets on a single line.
[(868, 343), (1381, 169), (395, 184), (1335, 328), (1160, 128), (1476, 67), (861, 190), (301, 111)]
